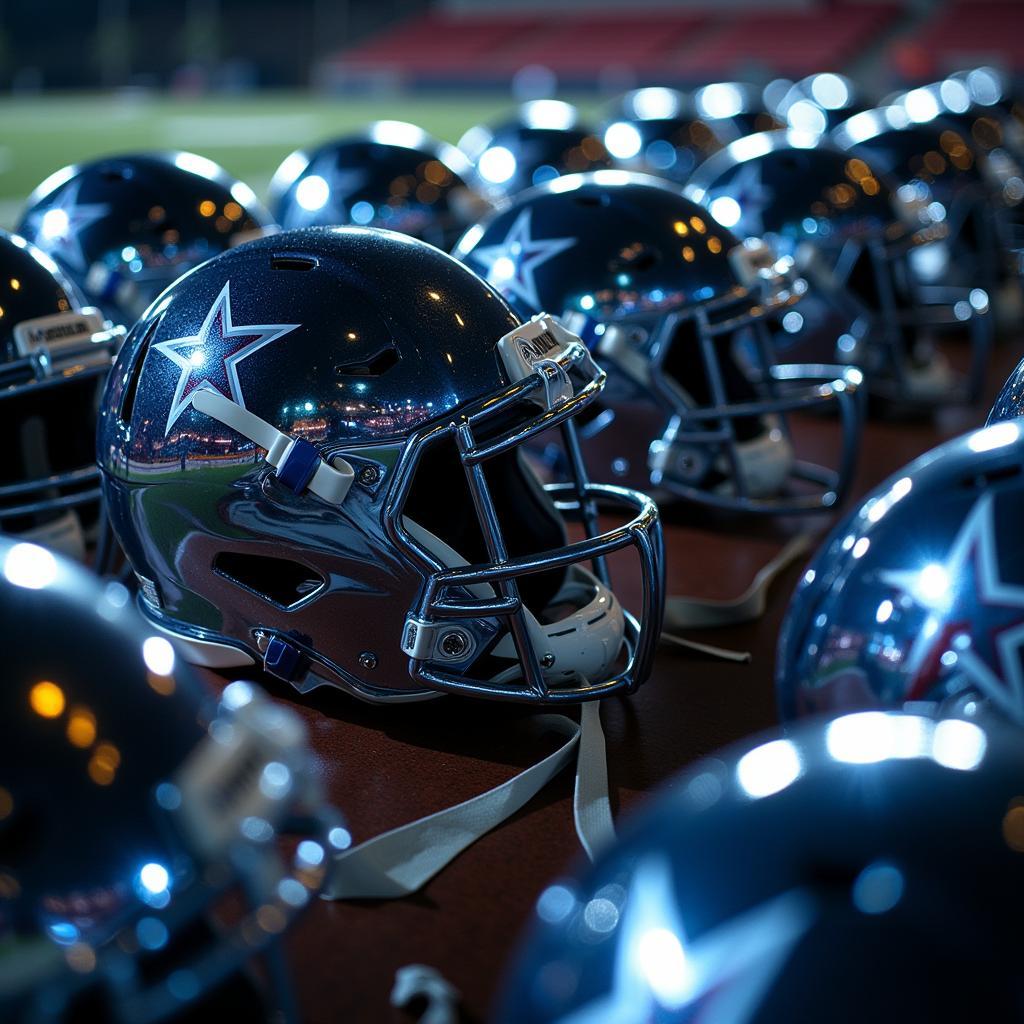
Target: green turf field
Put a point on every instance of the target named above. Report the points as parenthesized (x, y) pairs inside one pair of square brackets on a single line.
[(248, 135)]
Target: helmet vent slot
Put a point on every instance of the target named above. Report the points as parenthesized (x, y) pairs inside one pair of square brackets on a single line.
[(299, 263), (132, 387), (279, 581), (376, 366)]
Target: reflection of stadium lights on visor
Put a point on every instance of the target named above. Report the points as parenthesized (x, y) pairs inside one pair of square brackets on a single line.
[(312, 193), (497, 165), (622, 140), (726, 211)]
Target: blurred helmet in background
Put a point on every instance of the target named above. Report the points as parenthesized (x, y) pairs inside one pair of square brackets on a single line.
[(658, 131), (393, 175), (55, 354), (124, 227), (545, 139), (837, 217)]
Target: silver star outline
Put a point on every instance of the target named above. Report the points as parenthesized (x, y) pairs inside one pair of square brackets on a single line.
[(171, 349), (526, 254)]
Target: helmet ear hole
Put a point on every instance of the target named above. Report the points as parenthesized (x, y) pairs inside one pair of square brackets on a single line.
[(279, 581)]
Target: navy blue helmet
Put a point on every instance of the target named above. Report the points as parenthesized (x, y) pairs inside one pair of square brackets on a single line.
[(55, 353), (393, 175), (917, 597), (855, 240), (658, 131), (124, 227), (997, 139), (683, 316), (818, 102), (864, 869), (935, 166), (311, 452), (545, 139), (735, 109), (1009, 402), (131, 802)]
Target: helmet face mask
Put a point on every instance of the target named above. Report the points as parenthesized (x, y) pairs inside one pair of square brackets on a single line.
[(54, 355), (441, 563), (682, 316)]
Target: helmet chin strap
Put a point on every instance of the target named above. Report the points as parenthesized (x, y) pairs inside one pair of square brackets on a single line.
[(401, 861), (299, 464)]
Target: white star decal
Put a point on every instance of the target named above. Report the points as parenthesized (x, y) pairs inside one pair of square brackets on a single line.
[(511, 265), (1000, 676), (216, 351), (719, 979), (57, 230)]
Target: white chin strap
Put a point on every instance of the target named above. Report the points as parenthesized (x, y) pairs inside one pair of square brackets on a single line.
[(298, 464), (399, 862), (765, 462)]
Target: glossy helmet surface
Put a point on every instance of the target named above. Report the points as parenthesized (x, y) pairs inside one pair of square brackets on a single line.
[(55, 353), (681, 316), (658, 131), (545, 139), (133, 802), (997, 138), (1009, 403), (931, 162), (838, 219), (734, 109), (124, 227), (867, 869), (918, 596), (818, 102), (311, 450), (393, 175)]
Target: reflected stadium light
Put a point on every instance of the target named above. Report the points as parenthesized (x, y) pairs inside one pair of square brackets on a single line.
[(769, 768)]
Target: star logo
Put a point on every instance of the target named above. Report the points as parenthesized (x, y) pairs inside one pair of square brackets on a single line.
[(751, 194), (718, 979), (210, 358), (975, 623), (58, 229), (511, 265)]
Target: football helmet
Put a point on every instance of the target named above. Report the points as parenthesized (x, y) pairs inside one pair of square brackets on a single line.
[(997, 139), (936, 169), (54, 355), (311, 451), (852, 237), (137, 815), (1009, 403), (657, 131), (734, 110), (864, 869), (543, 140), (818, 102), (393, 175), (918, 595), (124, 227), (681, 314)]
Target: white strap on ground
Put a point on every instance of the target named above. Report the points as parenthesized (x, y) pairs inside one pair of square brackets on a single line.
[(399, 862), (418, 981), (683, 612)]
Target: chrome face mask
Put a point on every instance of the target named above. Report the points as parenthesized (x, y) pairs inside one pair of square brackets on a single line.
[(465, 611), (711, 369)]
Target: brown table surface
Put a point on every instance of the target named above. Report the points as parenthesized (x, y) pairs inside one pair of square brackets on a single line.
[(384, 766)]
